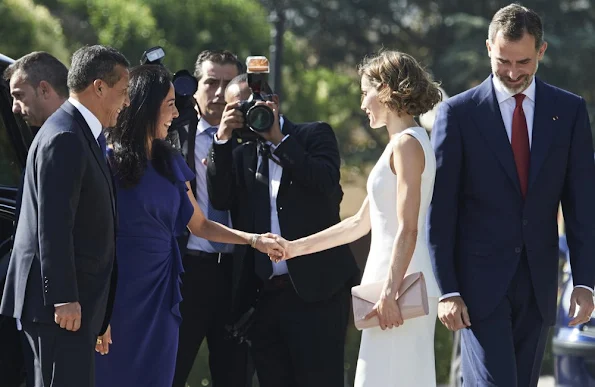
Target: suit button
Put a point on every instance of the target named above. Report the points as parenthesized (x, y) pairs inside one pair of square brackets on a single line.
[(517, 250), (525, 222)]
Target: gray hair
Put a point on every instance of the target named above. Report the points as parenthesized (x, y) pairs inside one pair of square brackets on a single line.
[(514, 21), (90, 63), (40, 66)]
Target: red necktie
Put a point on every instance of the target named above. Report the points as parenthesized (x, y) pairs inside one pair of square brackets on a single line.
[(520, 143)]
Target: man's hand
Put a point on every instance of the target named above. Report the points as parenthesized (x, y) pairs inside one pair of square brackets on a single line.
[(103, 342), (584, 299), (274, 134), (453, 313), (231, 119), (68, 316)]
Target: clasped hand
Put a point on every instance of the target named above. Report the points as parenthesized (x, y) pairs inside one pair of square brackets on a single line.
[(268, 244)]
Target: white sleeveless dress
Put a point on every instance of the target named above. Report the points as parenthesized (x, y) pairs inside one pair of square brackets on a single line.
[(402, 356)]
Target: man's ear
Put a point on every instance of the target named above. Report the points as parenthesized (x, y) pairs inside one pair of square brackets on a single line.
[(45, 89), (488, 47), (98, 86)]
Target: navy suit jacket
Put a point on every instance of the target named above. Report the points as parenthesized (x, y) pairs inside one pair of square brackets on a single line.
[(479, 225), (64, 247)]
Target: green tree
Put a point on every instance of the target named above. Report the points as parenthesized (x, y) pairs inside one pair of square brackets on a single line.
[(28, 27)]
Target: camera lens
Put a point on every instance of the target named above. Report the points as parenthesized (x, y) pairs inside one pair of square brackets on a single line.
[(260, 118)]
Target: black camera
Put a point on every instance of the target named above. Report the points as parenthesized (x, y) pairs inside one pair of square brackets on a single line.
[(258, 118)]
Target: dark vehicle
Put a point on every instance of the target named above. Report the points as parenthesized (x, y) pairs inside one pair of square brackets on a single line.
[(15, 138), (573, 348)]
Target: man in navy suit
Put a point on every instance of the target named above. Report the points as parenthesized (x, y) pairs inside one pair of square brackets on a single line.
[(508, 151), (60, 280)]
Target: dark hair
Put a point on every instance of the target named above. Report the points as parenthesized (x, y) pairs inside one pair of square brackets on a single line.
[(403, 85), (40, 66), (221, 57), (514, 21), (148, 87), (90, 63)]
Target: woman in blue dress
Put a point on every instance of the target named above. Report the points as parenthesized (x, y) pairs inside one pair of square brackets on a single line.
[(155, 204)]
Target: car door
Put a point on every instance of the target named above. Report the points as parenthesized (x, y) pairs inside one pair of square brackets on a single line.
[(15, 137)]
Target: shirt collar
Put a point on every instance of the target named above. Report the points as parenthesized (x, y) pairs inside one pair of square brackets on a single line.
[(203, 125), (92, 121), (502, 94)]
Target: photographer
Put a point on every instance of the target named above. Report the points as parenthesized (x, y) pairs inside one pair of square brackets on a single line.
[(206, 282), (286, 181)]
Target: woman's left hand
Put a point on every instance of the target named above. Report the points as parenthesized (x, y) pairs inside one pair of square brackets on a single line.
[(388, 313), (103, 342)]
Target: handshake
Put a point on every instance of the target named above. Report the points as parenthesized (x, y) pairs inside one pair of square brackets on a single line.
[(275, 246)]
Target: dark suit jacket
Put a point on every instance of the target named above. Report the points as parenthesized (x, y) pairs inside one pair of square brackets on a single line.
[(307, 202), (184, 127), (64, 246), (479, 224)]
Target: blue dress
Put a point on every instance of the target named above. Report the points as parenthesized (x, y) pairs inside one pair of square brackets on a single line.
[(146, 316)]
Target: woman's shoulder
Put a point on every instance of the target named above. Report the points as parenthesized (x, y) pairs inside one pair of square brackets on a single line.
[(180, 168)]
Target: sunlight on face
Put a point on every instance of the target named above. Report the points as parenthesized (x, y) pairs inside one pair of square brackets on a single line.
[(375, 110), (167, 113), (514, 63)]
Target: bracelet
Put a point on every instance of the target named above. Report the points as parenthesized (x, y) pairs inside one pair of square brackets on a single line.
[(253, 240)]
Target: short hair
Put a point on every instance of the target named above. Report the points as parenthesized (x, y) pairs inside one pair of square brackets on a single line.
[(221, 57), (40, 66), (514, 21), (243, 78), (402, 84), (90, 63)]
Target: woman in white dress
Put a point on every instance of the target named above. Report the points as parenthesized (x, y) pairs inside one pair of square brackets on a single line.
[(395, 88)]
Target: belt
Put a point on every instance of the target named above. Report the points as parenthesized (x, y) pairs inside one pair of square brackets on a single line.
[(205, 255), (278, 282)]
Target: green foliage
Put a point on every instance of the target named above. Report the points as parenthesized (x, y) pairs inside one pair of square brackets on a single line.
[(27, 27)]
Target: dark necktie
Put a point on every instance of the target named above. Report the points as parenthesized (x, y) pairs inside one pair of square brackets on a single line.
[(520, 143), (102, 145), (262, 210), (212, 213)]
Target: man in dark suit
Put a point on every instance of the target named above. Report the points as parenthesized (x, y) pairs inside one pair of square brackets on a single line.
[(286, 182), (206, 282), (508, 151), (60, 272), (38, 86)]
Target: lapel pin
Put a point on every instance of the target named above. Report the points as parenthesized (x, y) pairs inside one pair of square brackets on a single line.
[(554, 118)]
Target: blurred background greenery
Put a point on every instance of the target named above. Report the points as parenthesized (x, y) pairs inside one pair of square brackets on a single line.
[(323, 42)]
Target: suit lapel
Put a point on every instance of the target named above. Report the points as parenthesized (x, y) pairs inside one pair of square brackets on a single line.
[(288, 129), (543, 128), (488, 119), (92, 142), (249, 160)]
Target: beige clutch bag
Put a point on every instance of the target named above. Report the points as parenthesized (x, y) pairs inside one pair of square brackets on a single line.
[(412, 299)]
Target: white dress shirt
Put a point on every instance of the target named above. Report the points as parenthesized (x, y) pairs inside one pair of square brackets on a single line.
[(202, 145), (275, 174), (507, 104), (89, 117)]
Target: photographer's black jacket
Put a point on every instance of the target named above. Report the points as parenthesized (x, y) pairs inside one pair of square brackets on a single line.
[(308, 201)]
